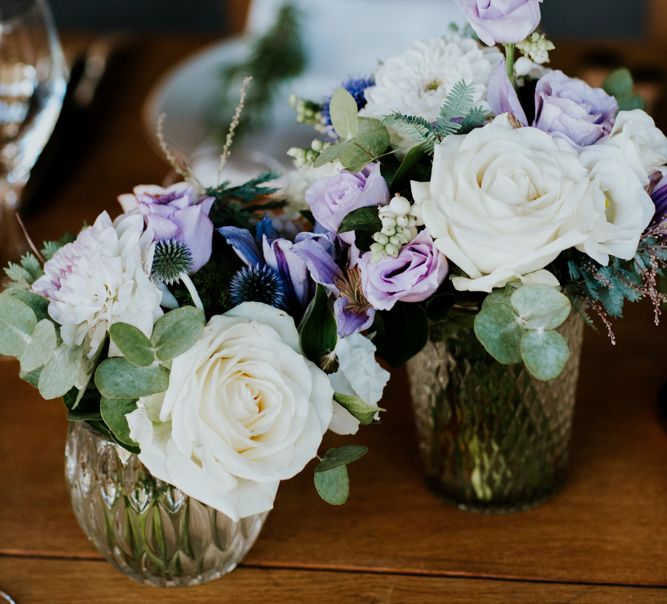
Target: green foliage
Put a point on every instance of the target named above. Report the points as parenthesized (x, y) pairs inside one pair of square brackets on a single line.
[(344, 114), (364, 412), (118, 378), (40, 348), (113, 412), (401, 332), (38, 304), (331, 477), (620, 85), (355, 153), (239, 205), (318, 328), (61, 372), (518, 324), (457, 115), (133, 344), (405, 171), (17, 322), (275, 58), (49, 248), (361, 219), (25, 273), (176, 332)]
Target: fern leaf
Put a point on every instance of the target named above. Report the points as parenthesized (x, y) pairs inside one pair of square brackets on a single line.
[(417, 128), (456, 106), (475, 118)]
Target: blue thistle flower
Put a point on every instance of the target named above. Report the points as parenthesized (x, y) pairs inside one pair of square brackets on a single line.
[(259, 283), (171, 260), (357, 88)]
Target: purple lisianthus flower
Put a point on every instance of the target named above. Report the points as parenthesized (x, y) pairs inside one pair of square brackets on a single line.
[(502, 96), (571, 109), (331, 199), (357, 88), (352, 311), (176, 213), (659, 197), (267, 249), (413, 276), (502, 21)]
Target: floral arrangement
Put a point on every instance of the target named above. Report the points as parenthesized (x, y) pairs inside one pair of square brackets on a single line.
[(466, 173), (190, 331)]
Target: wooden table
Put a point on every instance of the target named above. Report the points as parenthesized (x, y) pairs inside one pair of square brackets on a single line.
[(602, 540)]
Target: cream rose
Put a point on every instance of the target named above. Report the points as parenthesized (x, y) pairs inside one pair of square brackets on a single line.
[(243, 411), (505, 202), (642, 145)]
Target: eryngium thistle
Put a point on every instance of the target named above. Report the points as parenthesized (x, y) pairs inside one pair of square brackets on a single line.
[(259, 283), (170, 261)]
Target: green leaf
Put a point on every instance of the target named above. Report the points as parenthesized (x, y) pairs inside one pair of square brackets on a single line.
[(113, 413), (342, 456), (414, 157), (177, 332), (541, 306), (497, 329), (41, 346), (333, 486), (457, 105), (17, 322), (361, 219), (31, 378), (83, 405), (118, 378), (38, 304), (61, 372), (619, 83), (318, 328), (402, 332), (364, 412), (134, 345), (545, 354), (629, 103), (344, 114)]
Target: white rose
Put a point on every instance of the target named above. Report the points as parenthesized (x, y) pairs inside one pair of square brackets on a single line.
[(243, 411), (628, 207), (504, 202), (642, 145), (358, 374)]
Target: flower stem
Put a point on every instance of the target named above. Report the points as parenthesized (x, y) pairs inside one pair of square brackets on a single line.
[(509, 61), (192, 290)]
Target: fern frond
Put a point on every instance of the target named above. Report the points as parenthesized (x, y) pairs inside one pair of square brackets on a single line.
[(456, 106), (418, 128), (475, 118)]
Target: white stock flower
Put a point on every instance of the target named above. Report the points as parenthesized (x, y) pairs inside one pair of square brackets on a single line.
[(642, 145), (505, 202), (358, 374), (418, 81), (100, 279), (244, 410)]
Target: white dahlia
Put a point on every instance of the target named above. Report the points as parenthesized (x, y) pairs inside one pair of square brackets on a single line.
[(100, 279), (418, 81)]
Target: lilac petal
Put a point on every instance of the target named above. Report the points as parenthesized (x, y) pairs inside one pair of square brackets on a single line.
[(502, 97), (162, 227), (349, 322), (195, 231), (244, 244), (320, 263)]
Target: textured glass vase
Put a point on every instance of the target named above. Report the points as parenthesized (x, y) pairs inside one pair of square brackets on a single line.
[(492, 438), (150, 530)]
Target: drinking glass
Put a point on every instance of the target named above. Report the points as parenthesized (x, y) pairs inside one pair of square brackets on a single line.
[(32, 86)]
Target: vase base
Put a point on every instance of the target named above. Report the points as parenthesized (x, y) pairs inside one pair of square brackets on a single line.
[(497, 507)]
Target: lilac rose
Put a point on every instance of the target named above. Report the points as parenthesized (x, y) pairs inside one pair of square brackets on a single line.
[(331, 199), (176, 212), (413, 276), (502, 21), (571, 109)]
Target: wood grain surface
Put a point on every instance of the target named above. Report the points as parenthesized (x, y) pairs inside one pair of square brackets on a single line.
[(606, 529)]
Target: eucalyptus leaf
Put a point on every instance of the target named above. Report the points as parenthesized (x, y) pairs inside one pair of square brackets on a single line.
[(134, 345), (177, 332), (41, 346), (545, 354), (541, 306), (17, 322), (401, 332), (364, 412), (342, 456), (361, 219), (497, 329), (31, 378), (59, 375), (413, 158), (371, 142), (619, 83), (38, 304), (318, 328), (118, 378), (113, 413), (344, 114), (333, 486)]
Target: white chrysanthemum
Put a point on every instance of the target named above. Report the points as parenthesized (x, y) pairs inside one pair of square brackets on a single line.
[(418, 81), (100, 279)]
